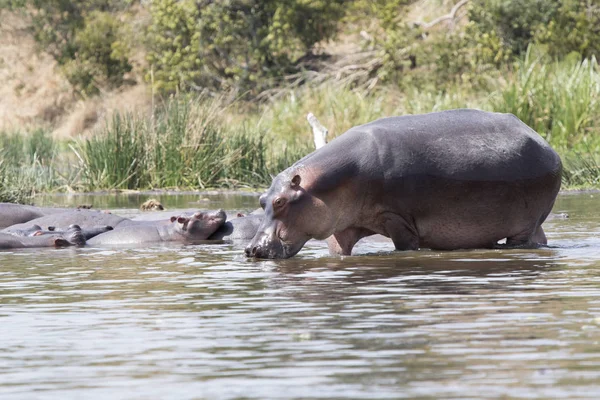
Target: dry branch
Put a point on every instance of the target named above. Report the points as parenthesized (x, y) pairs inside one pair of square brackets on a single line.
[(448, 17)]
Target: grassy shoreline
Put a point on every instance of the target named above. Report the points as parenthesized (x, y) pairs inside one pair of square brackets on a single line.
[(200, 142)]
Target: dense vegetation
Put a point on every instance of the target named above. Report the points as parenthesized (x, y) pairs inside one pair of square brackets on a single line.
[(534, 58)]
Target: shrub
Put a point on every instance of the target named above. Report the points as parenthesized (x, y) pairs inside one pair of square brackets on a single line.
[(84, 37), (240, 44), (574, 28), (101, 58)]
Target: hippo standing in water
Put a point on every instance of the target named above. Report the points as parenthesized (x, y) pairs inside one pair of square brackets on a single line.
[(448, 180)]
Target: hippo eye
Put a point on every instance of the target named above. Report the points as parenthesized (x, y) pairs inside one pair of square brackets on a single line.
[(279, 202)]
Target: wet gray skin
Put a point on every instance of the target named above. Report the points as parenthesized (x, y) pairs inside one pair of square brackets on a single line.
[(71, 237), (33, 230), (238, 229), (86, 219), (11, 214), (456, 179), (36, 230), (183, 228), (88, 233)]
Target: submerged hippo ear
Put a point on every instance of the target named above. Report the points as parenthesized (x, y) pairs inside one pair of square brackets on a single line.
[(295, 181)]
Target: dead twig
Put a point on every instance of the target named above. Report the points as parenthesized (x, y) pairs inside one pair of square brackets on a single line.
[(448, 17)]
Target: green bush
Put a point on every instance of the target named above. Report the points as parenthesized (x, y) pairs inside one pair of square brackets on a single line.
[(173, 45), (84, 37), (512, 23), (101, 59), (574, 28), (239, 44), (502, 28)]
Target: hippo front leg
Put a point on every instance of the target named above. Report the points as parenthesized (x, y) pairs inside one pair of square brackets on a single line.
[(342, 242)]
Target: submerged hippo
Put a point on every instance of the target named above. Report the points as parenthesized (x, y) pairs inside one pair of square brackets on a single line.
[(11, 214), (36, 230), (446, 180), (86, 219), (71, 237), (183, 228), (242, 228)]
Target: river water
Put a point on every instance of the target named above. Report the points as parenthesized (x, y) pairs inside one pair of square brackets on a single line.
[(204, 322)]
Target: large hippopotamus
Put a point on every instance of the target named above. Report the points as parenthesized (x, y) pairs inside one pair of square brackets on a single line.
[(447, 180)]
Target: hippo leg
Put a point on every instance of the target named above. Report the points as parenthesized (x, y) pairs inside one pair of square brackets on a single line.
[(526, 240), (539, 236), (404, 236), (342, 242)]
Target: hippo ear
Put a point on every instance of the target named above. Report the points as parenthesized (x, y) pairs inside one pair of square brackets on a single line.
[(37, 233), (184, 221), (295, 181), (173, 218)]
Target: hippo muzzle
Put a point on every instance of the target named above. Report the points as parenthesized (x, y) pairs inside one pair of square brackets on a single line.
[(264, 247), (267, 244)]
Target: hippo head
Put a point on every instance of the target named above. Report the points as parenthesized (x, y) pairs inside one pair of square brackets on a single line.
[(71, 237), (201, 224), (293, 215)]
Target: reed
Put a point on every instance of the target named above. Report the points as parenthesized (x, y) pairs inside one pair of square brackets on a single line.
[(561, 101), (184, 145)]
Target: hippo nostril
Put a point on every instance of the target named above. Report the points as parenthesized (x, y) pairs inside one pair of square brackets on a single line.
[(251, 252)]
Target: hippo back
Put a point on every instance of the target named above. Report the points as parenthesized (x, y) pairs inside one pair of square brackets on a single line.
[(86, 219), (465, 145)]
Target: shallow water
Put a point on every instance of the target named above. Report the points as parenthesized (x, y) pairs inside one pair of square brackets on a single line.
[(202, 321)]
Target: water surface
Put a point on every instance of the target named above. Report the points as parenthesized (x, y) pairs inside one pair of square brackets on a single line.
[(203, 322)]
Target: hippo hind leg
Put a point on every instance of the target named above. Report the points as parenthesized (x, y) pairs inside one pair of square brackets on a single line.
[(539, 236), (526, 240)]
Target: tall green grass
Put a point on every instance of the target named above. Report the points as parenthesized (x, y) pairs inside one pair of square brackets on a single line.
[(184, 145), (28, 165), (561, 101)]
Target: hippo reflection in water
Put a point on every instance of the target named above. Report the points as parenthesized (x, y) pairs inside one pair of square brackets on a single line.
[(446, 180)]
